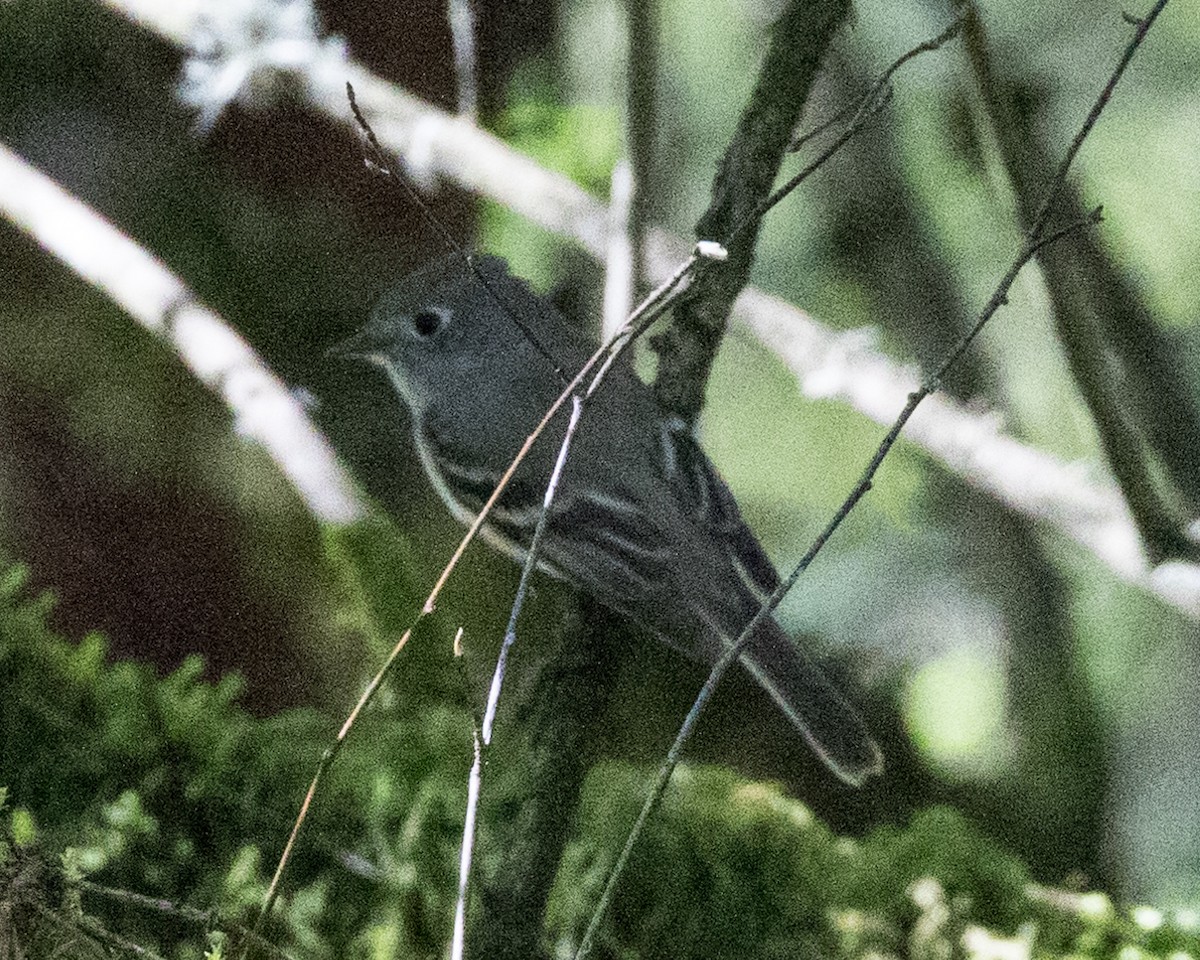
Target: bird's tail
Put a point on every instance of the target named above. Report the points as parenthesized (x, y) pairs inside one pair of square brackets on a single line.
[(830, 725)]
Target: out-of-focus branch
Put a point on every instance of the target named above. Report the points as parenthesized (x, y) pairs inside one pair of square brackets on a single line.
[(745, 178), (1116, 355), (1079, 501), (641, 125), (620, 264), (466, 69), (143, 287), (1076, 499)]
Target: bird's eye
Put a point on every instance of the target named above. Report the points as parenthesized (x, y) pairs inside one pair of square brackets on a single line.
[(427, 322)]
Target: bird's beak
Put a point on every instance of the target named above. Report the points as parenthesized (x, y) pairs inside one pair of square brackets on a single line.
[(368, 343)]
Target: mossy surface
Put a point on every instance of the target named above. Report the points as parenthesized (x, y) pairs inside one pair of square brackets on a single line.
[(149, 811)]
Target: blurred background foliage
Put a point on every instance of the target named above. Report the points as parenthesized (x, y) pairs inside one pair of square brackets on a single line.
[(1006, 672)]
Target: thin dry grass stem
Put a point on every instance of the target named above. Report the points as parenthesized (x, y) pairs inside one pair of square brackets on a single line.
[(539, 532), (467, 851)]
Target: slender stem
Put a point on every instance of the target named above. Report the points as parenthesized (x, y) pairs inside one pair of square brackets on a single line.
[(1036, 239), (510, 634), (467, 851)]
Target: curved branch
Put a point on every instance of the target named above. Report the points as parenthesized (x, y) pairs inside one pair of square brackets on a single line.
[(140, 283)]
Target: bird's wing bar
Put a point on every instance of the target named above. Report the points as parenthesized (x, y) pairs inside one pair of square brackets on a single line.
[(707, 501)]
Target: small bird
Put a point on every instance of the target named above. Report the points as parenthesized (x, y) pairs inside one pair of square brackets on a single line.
[(641, 520)]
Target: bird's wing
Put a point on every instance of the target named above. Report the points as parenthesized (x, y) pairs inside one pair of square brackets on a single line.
[(707, 501), (605, 543)]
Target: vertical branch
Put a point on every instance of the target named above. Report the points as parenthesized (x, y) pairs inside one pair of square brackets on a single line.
[(744, 179), (631, 185), (641, 122), (620, 260), (466, 70)]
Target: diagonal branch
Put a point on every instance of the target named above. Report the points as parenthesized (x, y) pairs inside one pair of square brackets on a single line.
[(142, 285), (1092, 318), (1038, 237), (747, 172)]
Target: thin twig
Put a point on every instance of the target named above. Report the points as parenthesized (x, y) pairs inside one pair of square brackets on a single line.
[(828, 123), (878, 90), (1127, 374), (467, 851), (381, 163), (734, 650), (1036, 240), (1060, 175), (158, 904), (510, 634), (868, 107)]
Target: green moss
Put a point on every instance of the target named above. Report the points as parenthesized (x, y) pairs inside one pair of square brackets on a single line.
[(166, 788)]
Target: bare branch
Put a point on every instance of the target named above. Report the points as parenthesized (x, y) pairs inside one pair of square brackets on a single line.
[(510, 634), (467, 850), (746, 174), (1037, 238), (641, 124), (620, 265), (1139, 409)]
